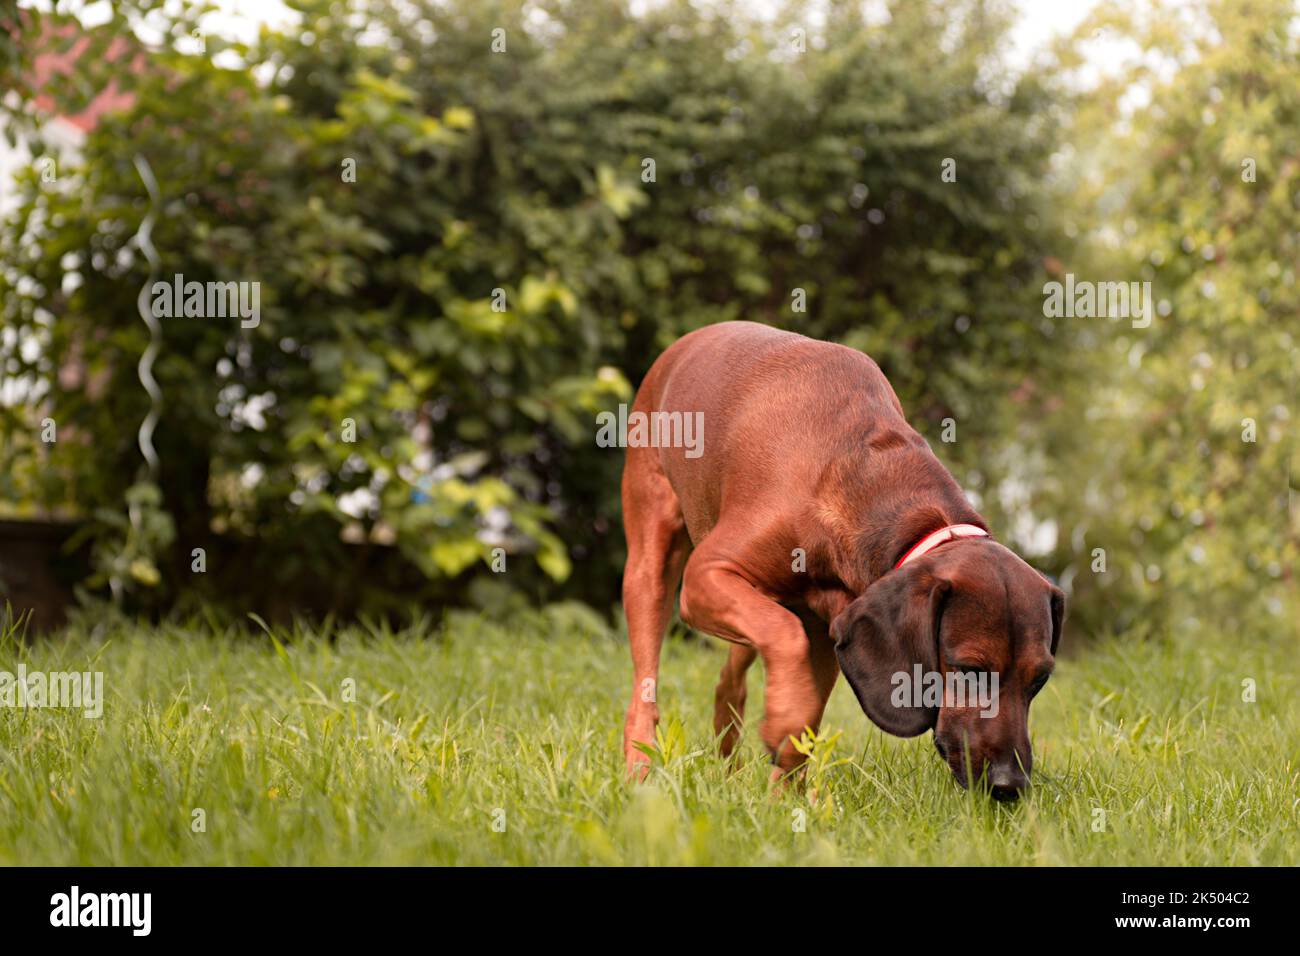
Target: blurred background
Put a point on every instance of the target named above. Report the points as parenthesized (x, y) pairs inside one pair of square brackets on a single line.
[(475, 224)]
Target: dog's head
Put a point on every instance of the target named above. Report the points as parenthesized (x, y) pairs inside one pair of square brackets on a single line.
[(958, 641)]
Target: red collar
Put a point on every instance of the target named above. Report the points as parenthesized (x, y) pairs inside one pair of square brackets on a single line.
[(936, 538)]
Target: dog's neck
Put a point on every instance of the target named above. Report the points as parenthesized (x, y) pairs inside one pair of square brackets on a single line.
[(905, 528), (897, 519)]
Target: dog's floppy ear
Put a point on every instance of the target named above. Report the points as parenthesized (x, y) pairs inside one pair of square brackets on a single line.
[(891, 628), (1058, 616)]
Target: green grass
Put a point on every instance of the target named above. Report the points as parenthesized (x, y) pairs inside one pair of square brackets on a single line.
[(452, 724)]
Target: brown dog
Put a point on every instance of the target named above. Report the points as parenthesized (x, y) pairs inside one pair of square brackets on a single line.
[(784, 524)]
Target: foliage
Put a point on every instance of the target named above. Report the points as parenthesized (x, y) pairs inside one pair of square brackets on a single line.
[(1175, 449), (775, 170), (783, 162)]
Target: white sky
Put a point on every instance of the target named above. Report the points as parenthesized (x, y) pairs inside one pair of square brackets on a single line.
[(1040, 20)]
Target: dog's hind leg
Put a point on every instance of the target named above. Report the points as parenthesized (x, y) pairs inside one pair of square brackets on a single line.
[(657, 548), (729, 697)]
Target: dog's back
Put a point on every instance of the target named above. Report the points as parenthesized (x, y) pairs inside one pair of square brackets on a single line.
[(789, 407)]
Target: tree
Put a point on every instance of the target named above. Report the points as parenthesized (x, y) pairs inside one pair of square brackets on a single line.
[(1176, 449), (474, 225)]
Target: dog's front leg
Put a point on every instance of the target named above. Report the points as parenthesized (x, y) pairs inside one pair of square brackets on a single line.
[(718, 600), (729, 698)]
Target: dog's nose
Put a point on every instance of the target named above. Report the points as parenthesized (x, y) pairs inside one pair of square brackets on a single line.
[(1006, 782)]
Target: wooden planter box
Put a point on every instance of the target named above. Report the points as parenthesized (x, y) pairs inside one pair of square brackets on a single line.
[(36, 571)]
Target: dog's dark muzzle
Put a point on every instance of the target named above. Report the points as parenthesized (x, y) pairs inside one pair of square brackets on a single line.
[(1003, 779)]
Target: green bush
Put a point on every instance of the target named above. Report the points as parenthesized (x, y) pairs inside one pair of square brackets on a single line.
[(518, 176), (1173, 452)]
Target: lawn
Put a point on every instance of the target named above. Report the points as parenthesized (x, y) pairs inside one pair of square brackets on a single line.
[(472, 742)]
